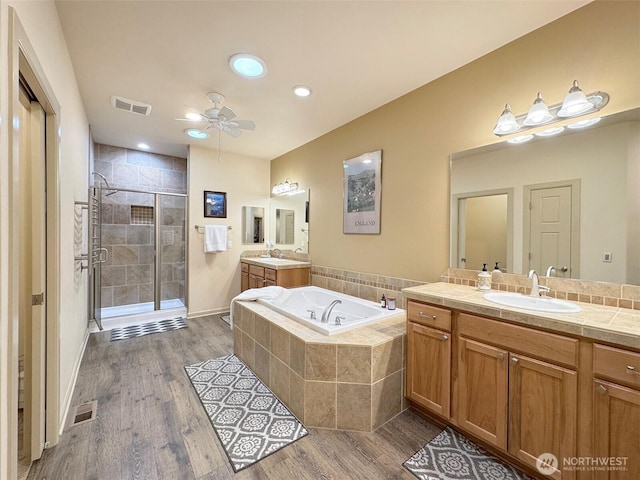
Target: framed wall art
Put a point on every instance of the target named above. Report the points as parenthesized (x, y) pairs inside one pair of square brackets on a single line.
[(215, 204), (362, 193)]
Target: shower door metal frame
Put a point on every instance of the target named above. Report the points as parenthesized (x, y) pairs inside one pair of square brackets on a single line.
[(98, 255)]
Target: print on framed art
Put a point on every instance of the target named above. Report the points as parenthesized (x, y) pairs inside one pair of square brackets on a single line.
[(215, 204), (362, 192)]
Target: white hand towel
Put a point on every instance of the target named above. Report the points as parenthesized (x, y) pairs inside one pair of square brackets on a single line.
[(254, 294), (215, 238)]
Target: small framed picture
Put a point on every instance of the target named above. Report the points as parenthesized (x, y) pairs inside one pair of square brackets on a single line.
[(215, 204)]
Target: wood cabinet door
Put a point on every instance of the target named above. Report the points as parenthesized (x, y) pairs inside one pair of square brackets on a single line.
[(542, 412), (616, 429), (255, 281), (482, 395), (244, 281), (429, 368)]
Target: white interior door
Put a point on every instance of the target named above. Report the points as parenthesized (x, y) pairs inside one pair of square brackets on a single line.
[(551, 230)]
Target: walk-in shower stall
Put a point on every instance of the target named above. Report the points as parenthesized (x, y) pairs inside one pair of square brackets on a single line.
[(137, 255)]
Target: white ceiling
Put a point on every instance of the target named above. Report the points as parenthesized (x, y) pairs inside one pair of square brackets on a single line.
[(356, 56)]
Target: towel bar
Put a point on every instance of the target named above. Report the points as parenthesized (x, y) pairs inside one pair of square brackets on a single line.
[(198, 227)]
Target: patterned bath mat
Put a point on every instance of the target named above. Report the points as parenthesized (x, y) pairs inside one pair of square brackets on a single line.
[(226, 319), (451, 455), (249, 420), (148, 328)]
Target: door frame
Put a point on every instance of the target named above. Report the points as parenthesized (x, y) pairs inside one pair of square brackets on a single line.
[(21, 59), (575, 221)]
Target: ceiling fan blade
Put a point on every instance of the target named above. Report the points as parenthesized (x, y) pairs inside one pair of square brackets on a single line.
[(227, 113), (245, 124), (234, 132), (190, 120)]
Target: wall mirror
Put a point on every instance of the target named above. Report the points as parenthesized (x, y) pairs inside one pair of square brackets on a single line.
[(572, 203), (253, 224), (289, 221)]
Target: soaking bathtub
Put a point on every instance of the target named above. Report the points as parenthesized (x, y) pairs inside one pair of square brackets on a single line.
[(298, 303)]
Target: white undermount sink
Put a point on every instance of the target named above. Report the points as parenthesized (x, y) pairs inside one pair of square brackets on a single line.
[(540, 304), (276, 261)]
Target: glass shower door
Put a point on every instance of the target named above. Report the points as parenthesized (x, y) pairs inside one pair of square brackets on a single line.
[(171, 248)]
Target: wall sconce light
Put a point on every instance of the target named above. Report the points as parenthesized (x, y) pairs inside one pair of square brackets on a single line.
[(575, 104), (286, 188)]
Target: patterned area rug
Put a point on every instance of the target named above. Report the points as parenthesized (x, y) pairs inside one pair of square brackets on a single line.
[(226, 319), (450, 455), (148, 328), (249, 420)]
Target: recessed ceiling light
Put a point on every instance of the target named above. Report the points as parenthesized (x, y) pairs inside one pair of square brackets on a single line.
[(193, 116), (302, 90), (248, 66), (196, 133), (144, 146), (520, 139)]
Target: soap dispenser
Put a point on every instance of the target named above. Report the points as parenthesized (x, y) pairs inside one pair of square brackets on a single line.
[(484, 279), (496, 269)]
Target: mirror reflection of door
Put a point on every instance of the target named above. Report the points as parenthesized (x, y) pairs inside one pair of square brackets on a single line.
[(484, 221), (252, 225), (552, 235), (285, 222)]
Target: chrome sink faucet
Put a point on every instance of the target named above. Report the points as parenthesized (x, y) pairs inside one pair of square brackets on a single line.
[(279, 252), (536, 289), (327, 311)]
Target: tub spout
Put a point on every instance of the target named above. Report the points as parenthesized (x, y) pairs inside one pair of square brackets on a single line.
[(327, 311)]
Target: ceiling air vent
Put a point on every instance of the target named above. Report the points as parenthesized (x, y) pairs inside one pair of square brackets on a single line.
[(132, 106)]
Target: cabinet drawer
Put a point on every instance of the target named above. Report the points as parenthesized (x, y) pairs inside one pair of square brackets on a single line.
[(429, 315), (244, 267), (256, 270), (270, 274), (543, 345), (617, 364)]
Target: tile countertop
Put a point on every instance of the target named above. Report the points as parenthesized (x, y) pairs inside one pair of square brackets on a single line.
[(267, 263), (620, 326)]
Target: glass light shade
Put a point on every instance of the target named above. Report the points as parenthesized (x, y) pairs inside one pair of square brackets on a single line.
[(520, 139), (506, 123), (575, 103), (550, 132), (538, 113)]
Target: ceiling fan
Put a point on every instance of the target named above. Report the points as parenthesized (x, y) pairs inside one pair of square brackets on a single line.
[(219, 117)]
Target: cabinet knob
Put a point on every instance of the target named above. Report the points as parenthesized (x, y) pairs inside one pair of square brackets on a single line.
[(601, 389), (445, 338), (500, 356), (514, 360), (424, 315)]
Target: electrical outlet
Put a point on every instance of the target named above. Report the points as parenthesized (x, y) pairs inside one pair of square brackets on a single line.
[(229, 245), (607, 257)]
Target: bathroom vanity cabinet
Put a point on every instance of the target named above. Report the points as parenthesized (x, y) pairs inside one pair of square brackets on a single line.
[(254, 275), (524, 390)]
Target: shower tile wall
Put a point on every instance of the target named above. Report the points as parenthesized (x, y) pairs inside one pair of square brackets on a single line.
[(127, 276)]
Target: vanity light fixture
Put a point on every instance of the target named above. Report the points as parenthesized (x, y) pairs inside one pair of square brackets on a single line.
[(247, 65), (302, 90), (285, 188), (575, 104), (196, 133)]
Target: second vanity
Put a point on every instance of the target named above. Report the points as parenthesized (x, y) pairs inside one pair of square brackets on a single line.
[(257, 272), (525, 383)]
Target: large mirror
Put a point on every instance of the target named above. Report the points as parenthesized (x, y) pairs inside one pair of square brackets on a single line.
[(567, 206), (289, 221), (253, 225)]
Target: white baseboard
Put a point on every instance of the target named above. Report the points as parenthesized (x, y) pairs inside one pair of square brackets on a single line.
[(204, 313), (66, 404)]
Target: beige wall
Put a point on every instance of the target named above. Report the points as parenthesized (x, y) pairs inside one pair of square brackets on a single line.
[(214, 278), (40, 22), (597, 44)]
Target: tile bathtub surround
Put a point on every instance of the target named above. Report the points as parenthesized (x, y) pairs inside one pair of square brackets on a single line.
[(368, 286), (586, 291), (351, 381), (128, 273)]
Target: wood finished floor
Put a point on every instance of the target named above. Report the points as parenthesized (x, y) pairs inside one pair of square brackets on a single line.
[(150, 424)]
